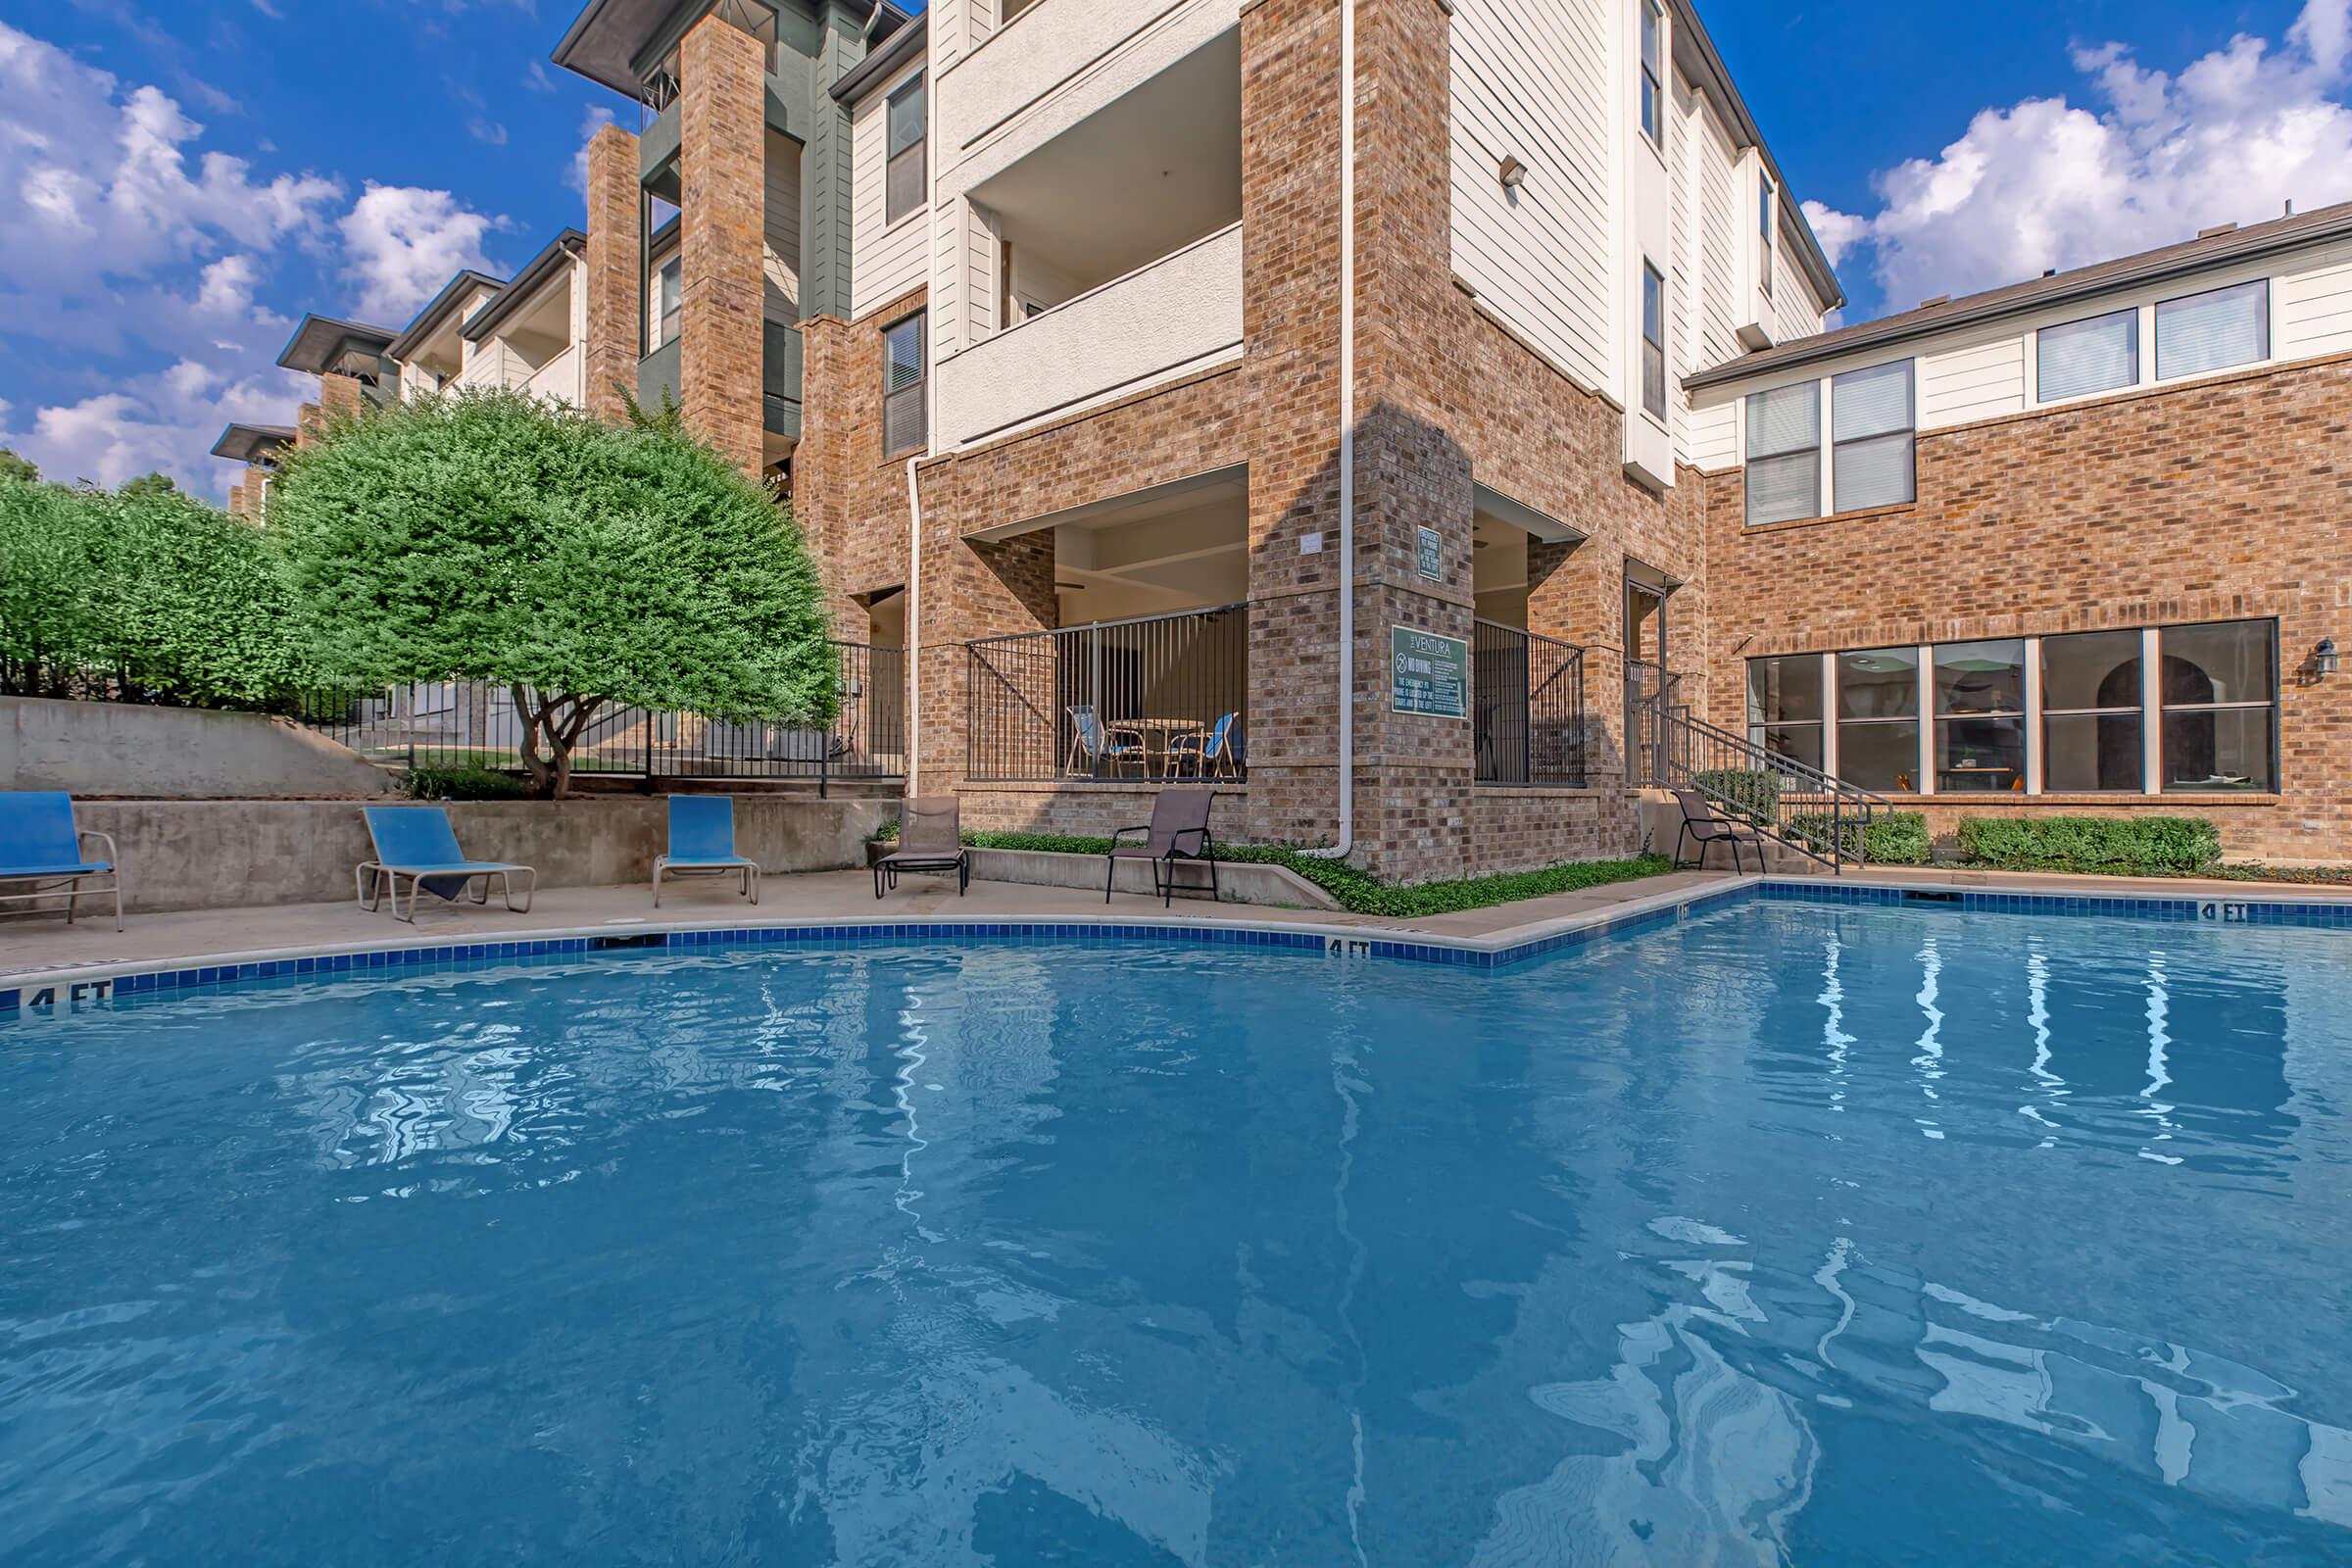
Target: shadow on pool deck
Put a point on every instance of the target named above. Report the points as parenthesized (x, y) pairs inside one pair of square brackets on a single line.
[(45, 943)]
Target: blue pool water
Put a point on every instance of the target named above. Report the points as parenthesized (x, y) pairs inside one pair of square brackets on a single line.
[(1787, 1234)]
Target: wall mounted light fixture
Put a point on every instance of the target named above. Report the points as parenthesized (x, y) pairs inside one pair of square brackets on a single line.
[(2324, 657), (1513, 173)]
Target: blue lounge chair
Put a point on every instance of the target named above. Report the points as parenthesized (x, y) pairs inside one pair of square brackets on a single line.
[(41, 844), (417, 841), (701, 842)]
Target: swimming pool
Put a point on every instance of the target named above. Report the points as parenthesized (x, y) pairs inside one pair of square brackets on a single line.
[(1830, 1234)]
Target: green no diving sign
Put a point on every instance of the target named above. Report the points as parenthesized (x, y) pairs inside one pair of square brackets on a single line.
[(1427, 673)]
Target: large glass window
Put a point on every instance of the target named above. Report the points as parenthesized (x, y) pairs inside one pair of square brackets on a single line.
[(2091, 705), (1980, 717), (1765, 208), (1785, 709), (2080, 357), (2214, 330), (1653, 341), (903, 174), (1653, 73), (2220, 688), (1871, 427), (1783, 453), (904, 426), (1878, 718)]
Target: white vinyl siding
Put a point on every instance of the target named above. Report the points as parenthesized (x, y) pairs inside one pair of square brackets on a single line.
[(887, 259), (2313, 306), (1539, 257), (1978, 381)]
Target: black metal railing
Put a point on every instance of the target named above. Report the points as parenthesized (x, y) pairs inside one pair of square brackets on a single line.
[(1528, 697), (1118, 699), (457, 723), (1822, 818), (1652, 697)]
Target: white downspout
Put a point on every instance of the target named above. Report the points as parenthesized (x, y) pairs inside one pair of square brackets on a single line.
[(914, 630), (1346, 659)]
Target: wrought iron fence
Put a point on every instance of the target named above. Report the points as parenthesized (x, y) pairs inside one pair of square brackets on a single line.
[(1652, 698), (1145, 698), (1529, 696)]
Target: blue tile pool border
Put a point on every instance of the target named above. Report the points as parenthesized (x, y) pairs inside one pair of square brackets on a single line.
[(167, 979)]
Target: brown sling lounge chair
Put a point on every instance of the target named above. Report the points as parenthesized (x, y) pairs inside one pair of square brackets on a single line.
[(929, 839), (1178, 831)]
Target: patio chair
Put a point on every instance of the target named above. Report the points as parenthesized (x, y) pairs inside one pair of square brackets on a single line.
[(1178, 831), (701, 842), (1210, 751), (929, 839), (41, 844), (417, 841), (1703, 824), (1095, 746)]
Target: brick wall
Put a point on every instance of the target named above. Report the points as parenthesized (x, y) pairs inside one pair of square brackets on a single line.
[(723, 149), (615, 286), (2224, 501), (850, 495)]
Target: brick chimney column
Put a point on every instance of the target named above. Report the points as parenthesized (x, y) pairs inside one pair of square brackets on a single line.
[(723, 146), (615, 272)]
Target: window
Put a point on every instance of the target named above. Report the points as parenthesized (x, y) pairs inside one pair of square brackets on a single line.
[(1878, 718), (1764, 212), (2213, 331), (2081, 358), (1871, 425), (669, 300), (1653, 73), (903, 176), (1783, 706), (2090, 706), (903, 421), (1980, 717), (1783, 453), (2219, 684), (1653, 341)]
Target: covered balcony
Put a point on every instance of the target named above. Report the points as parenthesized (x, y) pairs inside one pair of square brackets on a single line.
[(1527, 690), (1147, 675), (1114, 253)]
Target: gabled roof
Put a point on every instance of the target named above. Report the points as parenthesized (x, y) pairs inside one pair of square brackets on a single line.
[(537, 271), (320, 341), (2214, 248), (428, 320), (251, 443)]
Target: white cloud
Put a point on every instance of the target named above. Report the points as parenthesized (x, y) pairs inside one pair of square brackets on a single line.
[(537, 79), (486, 130), (403, 242), (167, 421), (595, 119), (2157, 156)]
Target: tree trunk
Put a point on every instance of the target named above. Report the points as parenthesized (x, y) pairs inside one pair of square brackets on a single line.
[(557, 722)]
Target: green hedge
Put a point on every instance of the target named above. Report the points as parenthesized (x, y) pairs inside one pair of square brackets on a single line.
[(1896, 838), (1754, 793), (471, 783), (1360, 890), (2126, 845)]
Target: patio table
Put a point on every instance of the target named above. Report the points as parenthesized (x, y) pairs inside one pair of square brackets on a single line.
[(1166, 729)]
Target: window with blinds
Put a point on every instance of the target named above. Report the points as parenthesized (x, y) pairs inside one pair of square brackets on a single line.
[(2214, 330), (903, 175), (1653, 341), (1764, 212), (1783, 454), (1871, 427), (903, 424), (1653, 73), (2080, 357)]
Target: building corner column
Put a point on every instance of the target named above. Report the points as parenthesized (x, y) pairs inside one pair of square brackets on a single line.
[(616, 267), (722, 151)]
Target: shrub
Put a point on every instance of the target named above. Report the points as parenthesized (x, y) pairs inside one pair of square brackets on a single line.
[(1895, 838), (466, 783), (1752, 793), (2147, 846)]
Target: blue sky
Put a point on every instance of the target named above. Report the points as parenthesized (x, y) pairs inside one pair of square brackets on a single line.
[(190, 176)]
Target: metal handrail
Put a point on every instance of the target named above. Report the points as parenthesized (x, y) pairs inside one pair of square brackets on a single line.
[(1527, 696), (1820, 816)]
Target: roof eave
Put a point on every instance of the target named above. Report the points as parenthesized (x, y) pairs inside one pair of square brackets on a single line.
[(428, 320), (904, 46), (535, 275)]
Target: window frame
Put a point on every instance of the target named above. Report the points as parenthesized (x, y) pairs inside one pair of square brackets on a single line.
[(670, 318), (1916, 721), (1909, 433), (2136, 711), (1946, 717), (1651, 51), (1750, 455), (1767, 209), (1653, 349), (2041, 336), (2265, 338), (1760, 728), (2165, 710), (917, 389), (918, 150)]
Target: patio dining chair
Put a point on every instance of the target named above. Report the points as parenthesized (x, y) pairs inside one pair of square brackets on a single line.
[(1211, 752), (1096, 747), (1178, 831), (42, 847), (1704, 825), (930, 839), (701, 842)]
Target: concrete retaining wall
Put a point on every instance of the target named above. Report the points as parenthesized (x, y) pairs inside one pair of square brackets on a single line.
[(206, 854), (123, 748)]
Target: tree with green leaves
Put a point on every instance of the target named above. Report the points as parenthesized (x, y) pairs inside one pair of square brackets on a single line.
[(13, 466), (487, 535), (152, 483)]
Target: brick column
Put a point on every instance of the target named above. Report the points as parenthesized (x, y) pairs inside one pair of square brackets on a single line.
[(722, 152), (822, 463), (338, 399), (615, 272)]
